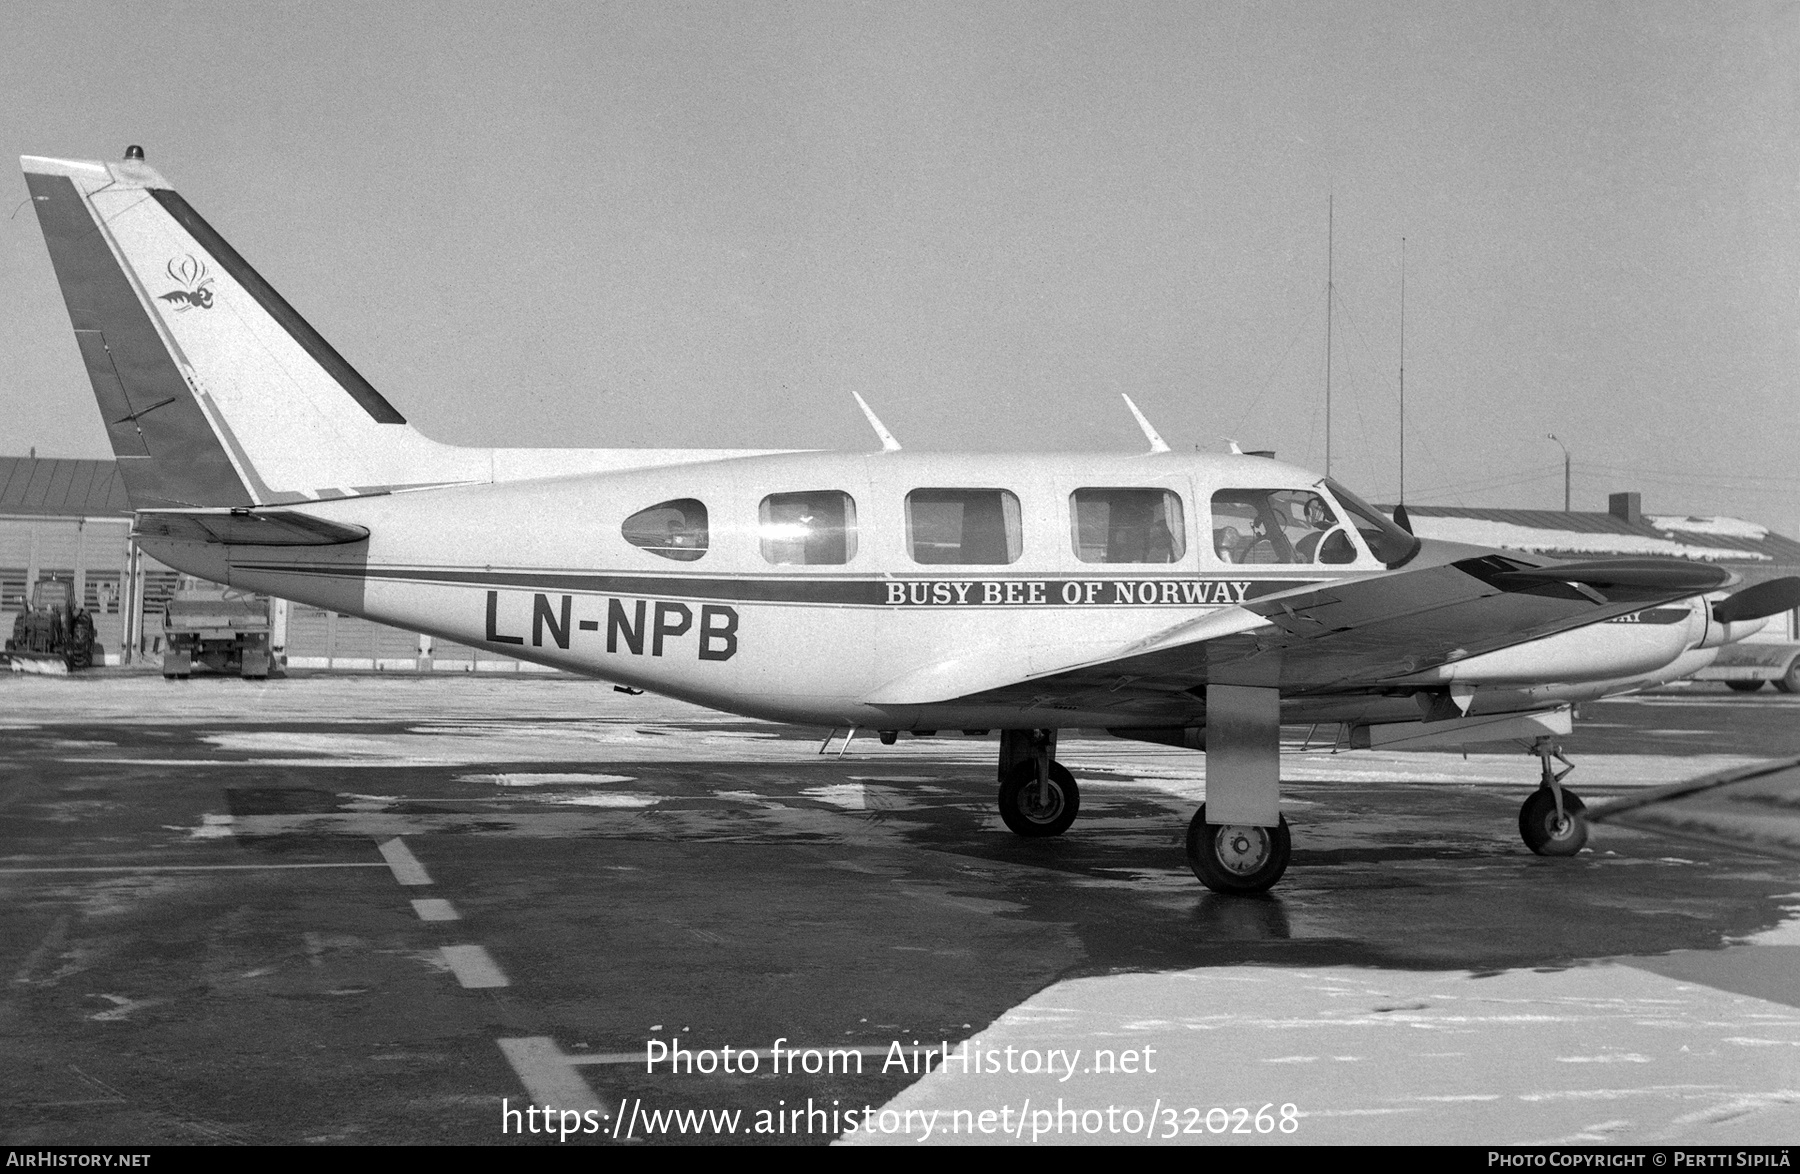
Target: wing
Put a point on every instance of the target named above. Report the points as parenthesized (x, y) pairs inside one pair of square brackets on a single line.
[(1352, 636)]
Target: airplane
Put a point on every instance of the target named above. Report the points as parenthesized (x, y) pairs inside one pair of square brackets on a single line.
[(1195, 600)]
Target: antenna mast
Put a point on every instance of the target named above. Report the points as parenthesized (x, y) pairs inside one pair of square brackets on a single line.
[(1329, 225), (1402, 370)]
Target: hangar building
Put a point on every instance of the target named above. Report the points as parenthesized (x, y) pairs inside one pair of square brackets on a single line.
[(1753, 551), (69, 520)]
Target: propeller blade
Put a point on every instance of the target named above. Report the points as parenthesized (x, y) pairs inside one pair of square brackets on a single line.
[(1764, 599)]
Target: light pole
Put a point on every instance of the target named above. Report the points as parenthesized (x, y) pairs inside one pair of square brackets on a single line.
[(1565, 448)]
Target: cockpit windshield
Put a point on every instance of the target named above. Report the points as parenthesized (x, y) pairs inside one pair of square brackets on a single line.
[(1386, 540)]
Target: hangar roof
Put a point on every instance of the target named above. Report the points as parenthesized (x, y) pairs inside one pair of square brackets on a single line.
[(1746, 546), (55, 487)]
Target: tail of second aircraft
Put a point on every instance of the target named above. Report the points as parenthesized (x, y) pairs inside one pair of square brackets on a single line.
[(215, 392)]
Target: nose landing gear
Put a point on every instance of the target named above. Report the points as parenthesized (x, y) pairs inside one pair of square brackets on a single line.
[(1553, 821)]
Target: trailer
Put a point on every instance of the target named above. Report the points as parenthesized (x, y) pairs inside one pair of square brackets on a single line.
[(211, 628), (1769, 656), (51, 635)]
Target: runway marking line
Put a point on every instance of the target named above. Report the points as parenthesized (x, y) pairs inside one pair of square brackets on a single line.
[(547, 1074), (406, 867), (194, 867), (52, 941), (474, 967), (435, 909)]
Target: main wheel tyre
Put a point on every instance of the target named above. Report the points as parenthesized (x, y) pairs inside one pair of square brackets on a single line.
[(1026, 813), (1541, 830), (1744, 686), (1237, 858)]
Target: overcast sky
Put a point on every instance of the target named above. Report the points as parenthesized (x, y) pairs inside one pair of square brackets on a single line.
[(706, 224)]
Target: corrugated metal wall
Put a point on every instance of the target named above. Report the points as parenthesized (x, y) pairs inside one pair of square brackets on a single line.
[(95, 555)]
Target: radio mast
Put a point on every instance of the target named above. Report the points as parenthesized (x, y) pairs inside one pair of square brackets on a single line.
[(1329, 288)]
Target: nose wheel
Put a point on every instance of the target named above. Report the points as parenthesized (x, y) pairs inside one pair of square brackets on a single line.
[(1549, 832), (1038, 807), (1553, 822), (1237, 859)]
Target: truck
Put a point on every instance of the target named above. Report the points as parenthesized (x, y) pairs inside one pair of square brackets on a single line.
[(51, 635), (218, 629), (1771, 655)]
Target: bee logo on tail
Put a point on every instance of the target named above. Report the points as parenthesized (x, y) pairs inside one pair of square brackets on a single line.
[(197, 291)]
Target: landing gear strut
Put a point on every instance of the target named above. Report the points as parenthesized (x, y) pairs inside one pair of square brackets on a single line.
[(1552, 822), (1038, 796)]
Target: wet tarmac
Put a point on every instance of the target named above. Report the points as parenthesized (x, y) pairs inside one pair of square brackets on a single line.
[(391, 909)]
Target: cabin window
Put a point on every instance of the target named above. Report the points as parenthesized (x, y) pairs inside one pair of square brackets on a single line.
[(1127, 525), (808, 529), (966, 526), (672, 529), (1278, 526)]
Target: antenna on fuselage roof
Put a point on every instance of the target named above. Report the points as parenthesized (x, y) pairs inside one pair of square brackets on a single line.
[(1157, 444), (888, 443), (1235, 450)]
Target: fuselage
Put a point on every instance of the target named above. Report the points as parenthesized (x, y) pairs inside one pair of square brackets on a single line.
[(802, 587)]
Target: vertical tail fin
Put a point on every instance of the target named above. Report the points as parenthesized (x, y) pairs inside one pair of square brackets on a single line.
[(214, 390)]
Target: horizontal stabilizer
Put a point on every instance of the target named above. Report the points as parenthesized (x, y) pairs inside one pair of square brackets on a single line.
[(243, 527)]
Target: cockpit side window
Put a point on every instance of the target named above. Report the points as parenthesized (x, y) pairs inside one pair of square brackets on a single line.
[(808, 529), (965, 526), (671, 529), (1127, 525), (1283, 526)]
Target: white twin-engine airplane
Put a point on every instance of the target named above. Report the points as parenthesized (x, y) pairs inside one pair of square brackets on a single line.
[(1196, 600)]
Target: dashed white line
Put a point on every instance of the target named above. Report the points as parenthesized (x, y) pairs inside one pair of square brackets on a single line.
[(202, 867), (406, 866), (546, 1074), (474, 967), (435, 909)]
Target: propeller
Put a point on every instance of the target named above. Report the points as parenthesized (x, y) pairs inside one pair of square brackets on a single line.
[(1764, 599)]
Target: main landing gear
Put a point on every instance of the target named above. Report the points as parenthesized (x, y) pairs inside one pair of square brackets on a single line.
[(1237, 859), (1553, 821), (1038, 796)]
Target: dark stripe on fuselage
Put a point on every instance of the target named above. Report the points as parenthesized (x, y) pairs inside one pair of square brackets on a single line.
[(1655, 615), (322, 352), (1013, 591)]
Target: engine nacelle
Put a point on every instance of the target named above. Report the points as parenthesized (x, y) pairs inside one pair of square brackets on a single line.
[(1718, 635), (1629, 646)]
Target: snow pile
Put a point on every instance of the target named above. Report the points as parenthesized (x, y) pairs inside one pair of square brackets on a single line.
[(1507, 535), (1723, 527)]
